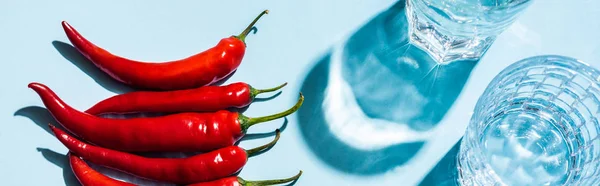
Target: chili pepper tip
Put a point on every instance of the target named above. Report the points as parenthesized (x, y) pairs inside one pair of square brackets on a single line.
[(33, 84), (66, 26), (54, 130)]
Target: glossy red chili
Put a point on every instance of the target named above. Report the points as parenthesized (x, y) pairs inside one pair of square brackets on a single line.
[(88, 177), (203, 99), (195, 71), (182, 132), (209, 166)]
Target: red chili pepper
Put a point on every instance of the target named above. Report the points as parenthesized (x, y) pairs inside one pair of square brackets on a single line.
[(182, 132), (210, 166), (203, 99), (88, 176), (195, 71)]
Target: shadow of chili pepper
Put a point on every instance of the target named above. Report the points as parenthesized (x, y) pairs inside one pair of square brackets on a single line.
[(259, 153), (70, 53), (256, 100), (267, 134), (39, 115), (239, 110), (224, 80), (268, 98), (445, 173), (61, 161), (292, 183), (42, 117)]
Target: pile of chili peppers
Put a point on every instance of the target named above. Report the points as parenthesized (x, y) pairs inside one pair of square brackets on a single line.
[(198, 118)]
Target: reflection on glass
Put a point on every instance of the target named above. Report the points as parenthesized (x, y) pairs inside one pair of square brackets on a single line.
[(536, 124), (460, 29)]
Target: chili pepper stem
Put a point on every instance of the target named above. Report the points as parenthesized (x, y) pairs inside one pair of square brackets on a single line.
[(247, 122), (254, 151), (246, 31), (268, 182), (254, 92)]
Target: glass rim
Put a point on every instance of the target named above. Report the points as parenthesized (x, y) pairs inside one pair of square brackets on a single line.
[(576, 66), (572, 62), (493, 7)]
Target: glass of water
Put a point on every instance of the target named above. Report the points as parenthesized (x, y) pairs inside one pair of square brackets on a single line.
[(460, 29), (535, 124)]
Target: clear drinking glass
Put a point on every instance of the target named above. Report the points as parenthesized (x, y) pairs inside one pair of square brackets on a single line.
[(460, 29), (535, 124)]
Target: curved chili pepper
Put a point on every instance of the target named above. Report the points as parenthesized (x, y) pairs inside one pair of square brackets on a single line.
[(182, 132), (210, 166), (88, 176), (195, 71), (203, 99)]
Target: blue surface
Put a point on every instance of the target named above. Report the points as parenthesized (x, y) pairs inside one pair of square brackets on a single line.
[(289, 43)]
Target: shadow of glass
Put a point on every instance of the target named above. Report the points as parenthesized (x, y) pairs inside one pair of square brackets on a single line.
[(445, 173), (333, 151), (70, 53), (372, 102)]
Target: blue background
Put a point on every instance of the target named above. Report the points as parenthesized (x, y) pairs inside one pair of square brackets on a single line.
[(289, 41)]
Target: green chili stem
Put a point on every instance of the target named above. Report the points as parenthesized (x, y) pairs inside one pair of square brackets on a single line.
[(247, 122), (269, 182), (254, 92), (253, 151), (243, 35)]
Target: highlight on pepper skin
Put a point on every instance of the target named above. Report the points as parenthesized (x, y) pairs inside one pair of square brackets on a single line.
[(202, 99), (204, 68), (180, 132), (196, 116), (205, 167)]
